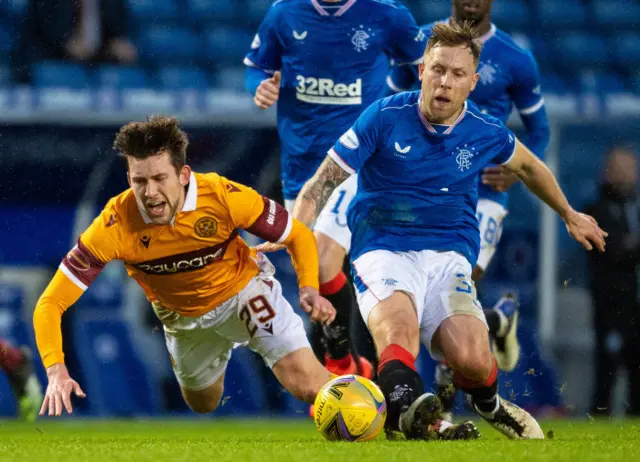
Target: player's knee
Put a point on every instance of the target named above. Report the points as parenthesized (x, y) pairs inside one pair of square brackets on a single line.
[(204, 401), (472, 363)]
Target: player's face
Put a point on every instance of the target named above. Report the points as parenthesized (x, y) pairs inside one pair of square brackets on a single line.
[(448, 75), (158, 188), (471, 10)]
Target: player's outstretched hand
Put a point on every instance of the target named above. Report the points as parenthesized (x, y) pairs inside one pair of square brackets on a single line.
[(319, 308), (499, 178), (268, 92), (59, 391), (585, 230), (267, 247)]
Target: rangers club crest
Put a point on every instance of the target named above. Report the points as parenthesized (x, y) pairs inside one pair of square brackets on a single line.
[(487, 72), (463, 157), (360, 38)]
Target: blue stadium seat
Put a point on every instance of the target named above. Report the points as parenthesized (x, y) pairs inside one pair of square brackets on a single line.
[(165, 43), (120, 77), (567, 13), (182, 77), (432, 10), (616, 13), (59, 74), (602, 83), (257, 9), (151, 10), (627, 50), (227, 44), (635, 83), (231, 78), (554, 83), (6, 73), (105, 293), (244, 391), (581, 49), (15, 8), (7, 40), (208, 10), (11, 297), (510, 15), (117, 381)]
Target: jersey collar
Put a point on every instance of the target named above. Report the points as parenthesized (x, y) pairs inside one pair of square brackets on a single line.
[(324, 11), (431, 128), (189, 202)]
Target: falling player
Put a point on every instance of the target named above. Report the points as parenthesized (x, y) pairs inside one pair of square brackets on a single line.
[(177, 233), (415, 235), (508, 77), (324, 62)]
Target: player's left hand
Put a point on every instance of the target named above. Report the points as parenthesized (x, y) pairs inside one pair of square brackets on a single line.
[(499, 178), (267, 247), (319, 308), (585, 230)]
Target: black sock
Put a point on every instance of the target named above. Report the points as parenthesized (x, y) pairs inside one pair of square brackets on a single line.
[(317, 341), (493, 321), (401, 386), (336, 335), (485, 398)]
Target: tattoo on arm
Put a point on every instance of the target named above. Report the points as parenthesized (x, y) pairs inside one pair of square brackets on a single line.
[(319, 188)]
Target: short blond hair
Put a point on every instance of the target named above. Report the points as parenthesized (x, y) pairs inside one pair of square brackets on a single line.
[(455, 35)]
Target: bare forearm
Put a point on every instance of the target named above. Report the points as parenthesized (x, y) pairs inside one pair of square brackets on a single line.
[(540, 181), (316, 192)]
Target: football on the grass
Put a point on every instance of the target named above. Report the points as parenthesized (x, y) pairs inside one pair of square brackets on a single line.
[(350, 408)]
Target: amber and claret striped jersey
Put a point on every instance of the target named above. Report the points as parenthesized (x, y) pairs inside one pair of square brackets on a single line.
[(193, 264)]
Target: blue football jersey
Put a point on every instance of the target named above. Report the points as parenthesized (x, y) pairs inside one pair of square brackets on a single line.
[(508, 76), (334, 60), (418, 183)]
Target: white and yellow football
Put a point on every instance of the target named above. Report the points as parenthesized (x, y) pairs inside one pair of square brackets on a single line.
[(350, 408)]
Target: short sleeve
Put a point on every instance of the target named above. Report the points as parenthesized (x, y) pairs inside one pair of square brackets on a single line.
[(266, 48), (359, 143), (261, 216), (504, 145), (525, 89), (406, 40), (99, 244)]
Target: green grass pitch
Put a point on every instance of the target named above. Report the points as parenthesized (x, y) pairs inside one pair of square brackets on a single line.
[(265, 440)]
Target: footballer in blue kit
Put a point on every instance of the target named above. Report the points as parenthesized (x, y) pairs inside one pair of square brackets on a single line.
[(415, 236), (508, 77), (324, 62)]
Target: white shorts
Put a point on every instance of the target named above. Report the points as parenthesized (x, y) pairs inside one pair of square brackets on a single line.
[(439, 283), (332, 220), (490, 216), (258, 316)]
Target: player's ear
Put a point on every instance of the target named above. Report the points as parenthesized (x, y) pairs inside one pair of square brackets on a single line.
[(474, 80), (185, 175), (420, 70)]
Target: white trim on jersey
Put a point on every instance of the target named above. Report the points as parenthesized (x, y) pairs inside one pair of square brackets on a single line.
[(531, 109), (515, 145), (287, 230), (70, 275), (480, 118), (338, 160), (247, 62)]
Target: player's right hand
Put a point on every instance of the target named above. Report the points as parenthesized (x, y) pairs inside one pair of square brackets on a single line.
[(319, 308), (268, 92), (59, 391), (585, 230)]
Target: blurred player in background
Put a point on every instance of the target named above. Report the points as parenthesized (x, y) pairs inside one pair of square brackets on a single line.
[(18, 365), (324, 62), (177, 233), (415, 234), (508, 76)]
